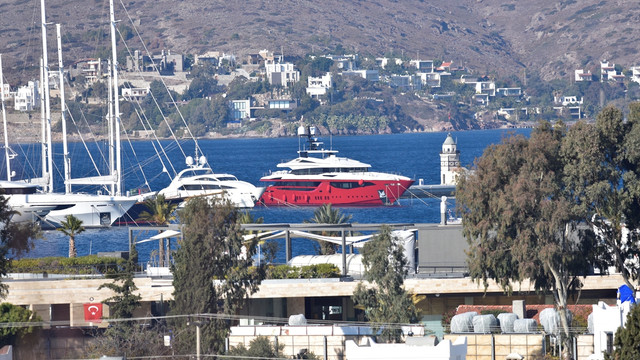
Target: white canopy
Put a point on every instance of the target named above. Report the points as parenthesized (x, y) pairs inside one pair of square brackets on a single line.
[(163, 235)]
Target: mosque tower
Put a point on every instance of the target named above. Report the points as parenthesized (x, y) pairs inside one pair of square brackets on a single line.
[(449, 161)]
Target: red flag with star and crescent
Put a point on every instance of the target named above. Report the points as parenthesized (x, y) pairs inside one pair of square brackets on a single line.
[(93, 312)]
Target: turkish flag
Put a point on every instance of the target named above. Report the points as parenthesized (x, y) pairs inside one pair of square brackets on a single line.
[(93, 312)]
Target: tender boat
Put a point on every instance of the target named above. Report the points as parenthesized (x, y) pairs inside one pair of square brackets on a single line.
[(318, 176), (200, 180)]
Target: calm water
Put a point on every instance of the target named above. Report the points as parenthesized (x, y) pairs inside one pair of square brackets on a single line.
[(412, 155)]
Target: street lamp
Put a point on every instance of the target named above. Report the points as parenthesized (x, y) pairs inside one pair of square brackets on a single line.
[(197, 323)]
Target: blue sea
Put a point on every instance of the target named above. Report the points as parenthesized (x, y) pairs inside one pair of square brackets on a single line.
[(415, 155)]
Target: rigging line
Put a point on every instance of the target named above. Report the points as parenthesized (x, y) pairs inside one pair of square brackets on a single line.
[(173, 101), (95, 166), (146, 119), (155, 100), (126, 134), (417, 197)]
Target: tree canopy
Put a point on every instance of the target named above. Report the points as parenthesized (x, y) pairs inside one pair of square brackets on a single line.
[(520, 220), (16, 239), (387, 303), (212, 270), (602, 171), (71, 227)]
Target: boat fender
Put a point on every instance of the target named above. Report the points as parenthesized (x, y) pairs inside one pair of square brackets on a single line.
[(360, 182)]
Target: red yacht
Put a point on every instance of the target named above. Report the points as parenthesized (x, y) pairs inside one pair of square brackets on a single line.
[(318, 176)]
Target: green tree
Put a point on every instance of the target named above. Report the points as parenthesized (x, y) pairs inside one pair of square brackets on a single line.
[(125, 301), (602, 171), (71, 227), (387, 304), (627, 341), (16, 239), (123, 337), (326, 214), (10, 313), (212, 271), (519, 219), (159, 212)]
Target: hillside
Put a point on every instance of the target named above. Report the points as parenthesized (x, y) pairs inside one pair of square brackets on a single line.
[(488, 36)]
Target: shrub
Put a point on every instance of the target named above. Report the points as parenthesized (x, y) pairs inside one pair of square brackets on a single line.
[(83, 265), (304, 272)]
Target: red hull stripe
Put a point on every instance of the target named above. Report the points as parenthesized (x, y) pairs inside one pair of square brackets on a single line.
[(378, 193)]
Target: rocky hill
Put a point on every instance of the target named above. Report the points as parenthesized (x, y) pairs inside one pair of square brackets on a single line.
[(488, 36)]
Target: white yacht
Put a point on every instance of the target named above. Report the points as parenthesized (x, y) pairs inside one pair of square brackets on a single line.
[(200, 180), (20, 198)]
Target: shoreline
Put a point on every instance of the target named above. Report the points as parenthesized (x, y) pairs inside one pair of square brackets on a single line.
[(29, 133)]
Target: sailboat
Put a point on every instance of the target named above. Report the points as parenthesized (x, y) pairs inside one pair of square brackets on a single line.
[(18, 192), (94, 210)]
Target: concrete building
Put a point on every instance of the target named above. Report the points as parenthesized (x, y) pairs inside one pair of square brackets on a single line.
[(344, 62), (635, 73), (92, 69), (422, 65), (165, 62), (27, 97), (431, 79), (240, 110), (583, 75), (371, 75), (134, 94), (282, 74), (509, 92), (318, 86)]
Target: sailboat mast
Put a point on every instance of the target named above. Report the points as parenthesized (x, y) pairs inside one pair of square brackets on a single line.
[(45, 66), (43, 121), (112, 186), (4, 124), (63, 111), (116, 101)]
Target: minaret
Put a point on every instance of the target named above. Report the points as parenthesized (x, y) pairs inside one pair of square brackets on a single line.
[(449, 161)]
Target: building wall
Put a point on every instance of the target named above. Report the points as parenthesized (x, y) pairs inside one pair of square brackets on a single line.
[(442, 250), (479, 347)]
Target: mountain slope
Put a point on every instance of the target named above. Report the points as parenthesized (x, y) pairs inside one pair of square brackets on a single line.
[(488, 36)]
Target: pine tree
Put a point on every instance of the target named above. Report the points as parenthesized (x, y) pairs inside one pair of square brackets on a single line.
[(212, 271), (387, 303), (627, 341)]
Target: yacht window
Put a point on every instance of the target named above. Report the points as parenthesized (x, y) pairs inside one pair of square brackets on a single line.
[(312, 184), (349, 184), (200, 187)]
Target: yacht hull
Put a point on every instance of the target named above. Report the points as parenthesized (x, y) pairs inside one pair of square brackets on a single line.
[(335, 192)]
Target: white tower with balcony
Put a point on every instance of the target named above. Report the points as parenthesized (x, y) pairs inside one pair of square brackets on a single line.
[(449, 161)]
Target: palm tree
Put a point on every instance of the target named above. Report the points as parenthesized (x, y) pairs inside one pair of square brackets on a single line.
[(71, 227), (160, 212), (328, 215), (270, 249)]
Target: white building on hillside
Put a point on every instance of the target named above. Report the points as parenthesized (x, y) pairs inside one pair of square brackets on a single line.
[(317, 86), (27, 97), (283, 74)]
